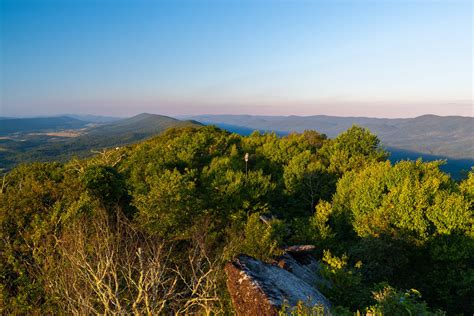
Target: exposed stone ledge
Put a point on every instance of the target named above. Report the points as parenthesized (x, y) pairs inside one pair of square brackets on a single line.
[(259, 288)]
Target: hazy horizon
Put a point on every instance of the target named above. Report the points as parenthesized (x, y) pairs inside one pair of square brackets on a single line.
[(186, 116), (352, 58)]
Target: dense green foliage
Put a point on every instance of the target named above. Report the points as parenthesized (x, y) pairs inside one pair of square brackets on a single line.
[(85, 236)]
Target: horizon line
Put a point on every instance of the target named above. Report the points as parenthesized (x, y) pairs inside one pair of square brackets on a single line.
[(187, 116)]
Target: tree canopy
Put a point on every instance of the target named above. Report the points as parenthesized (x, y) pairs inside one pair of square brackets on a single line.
[(177, 206)]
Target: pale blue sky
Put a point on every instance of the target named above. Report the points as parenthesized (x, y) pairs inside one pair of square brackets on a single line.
[(362, 58)]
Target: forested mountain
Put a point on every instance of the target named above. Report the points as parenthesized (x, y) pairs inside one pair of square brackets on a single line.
[(54, 141), (94, 118), (147, 228), (141, 124), (446, 136)]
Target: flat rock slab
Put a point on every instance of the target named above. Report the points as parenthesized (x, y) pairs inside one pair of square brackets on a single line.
[(259, 288), (300, 249)]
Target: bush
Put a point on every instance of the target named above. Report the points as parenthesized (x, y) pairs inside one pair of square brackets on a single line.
[(345, 283), (392, 302)]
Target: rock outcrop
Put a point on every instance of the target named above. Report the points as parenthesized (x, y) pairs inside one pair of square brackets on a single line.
[(259, 288)]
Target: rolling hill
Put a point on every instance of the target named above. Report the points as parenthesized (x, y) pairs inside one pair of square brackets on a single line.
[(45, 146), (141, 124), (94, 118)]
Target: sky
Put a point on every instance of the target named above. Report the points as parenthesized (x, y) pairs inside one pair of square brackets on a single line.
[(347, 58)]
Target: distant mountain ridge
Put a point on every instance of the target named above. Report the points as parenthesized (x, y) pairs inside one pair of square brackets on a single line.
[(46, 146), (94, 118), (447, 136), (132, 129)]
